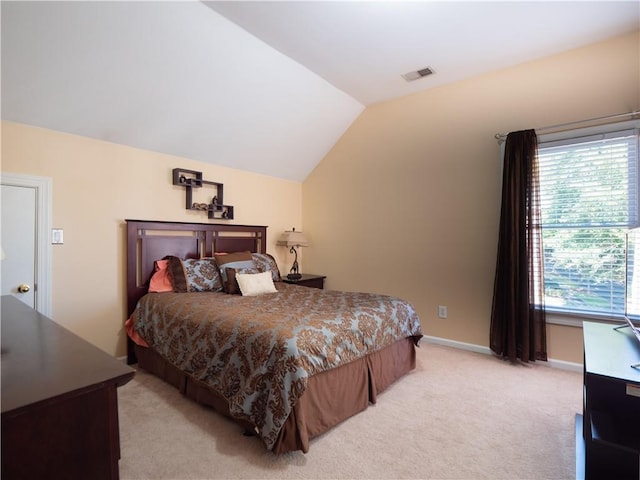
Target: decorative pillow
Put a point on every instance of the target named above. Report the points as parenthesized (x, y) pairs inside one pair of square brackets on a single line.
[(202, 275), (160, 280), (266, 263), (193, 274), (238, 260), (177, 274), (231, 286), (255, 284)]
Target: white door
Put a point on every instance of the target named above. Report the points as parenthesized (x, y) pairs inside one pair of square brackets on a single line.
[(25, 230), (19, 243)]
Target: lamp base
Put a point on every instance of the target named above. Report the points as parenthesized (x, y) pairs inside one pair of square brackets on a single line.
[(294, 276)]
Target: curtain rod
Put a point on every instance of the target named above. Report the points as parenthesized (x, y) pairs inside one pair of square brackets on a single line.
[(502, 136)]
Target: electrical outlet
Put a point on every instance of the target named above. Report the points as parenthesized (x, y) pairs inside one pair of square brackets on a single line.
[(442, 311)]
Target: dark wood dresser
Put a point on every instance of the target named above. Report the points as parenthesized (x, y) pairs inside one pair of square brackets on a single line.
[(611, 410), (59, 400)]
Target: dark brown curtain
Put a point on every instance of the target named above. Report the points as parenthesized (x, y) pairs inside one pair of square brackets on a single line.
[(518, 328)]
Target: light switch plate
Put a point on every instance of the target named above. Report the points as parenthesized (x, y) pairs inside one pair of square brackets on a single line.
[(57, 236)]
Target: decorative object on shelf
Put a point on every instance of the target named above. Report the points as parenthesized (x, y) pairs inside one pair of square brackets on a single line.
[(293, 239), (190, 179)]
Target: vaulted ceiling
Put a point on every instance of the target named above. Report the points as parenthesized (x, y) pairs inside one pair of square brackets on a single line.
[(267, 87)]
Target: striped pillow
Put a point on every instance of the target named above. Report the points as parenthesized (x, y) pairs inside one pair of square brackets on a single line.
[(239, 261)]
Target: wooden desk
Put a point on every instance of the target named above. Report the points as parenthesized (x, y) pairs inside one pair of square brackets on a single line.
[(611, 414), (59, 400)]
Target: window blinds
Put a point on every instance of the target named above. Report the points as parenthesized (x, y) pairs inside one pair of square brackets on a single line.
[(589, 201)]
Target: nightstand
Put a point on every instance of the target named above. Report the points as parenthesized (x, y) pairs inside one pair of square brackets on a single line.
[(307, 280)]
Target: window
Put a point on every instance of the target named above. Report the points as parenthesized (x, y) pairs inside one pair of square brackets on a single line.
[(589, 203)]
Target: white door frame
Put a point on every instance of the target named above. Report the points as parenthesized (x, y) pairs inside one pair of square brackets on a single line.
[(43, 189)]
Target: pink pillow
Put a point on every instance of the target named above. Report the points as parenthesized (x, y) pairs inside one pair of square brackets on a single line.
[(160, 280)]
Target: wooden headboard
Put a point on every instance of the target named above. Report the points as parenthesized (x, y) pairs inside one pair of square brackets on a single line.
[(148, 241)]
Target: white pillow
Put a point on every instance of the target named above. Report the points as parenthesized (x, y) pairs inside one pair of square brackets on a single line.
[(255, 283)]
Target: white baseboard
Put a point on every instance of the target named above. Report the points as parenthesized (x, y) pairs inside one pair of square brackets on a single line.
[(561, 364), (455, 344), (564, 365)]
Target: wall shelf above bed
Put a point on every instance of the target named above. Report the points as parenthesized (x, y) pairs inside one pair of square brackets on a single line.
[(215, 207)]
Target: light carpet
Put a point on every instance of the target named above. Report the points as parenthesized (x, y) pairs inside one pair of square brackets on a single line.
[(459, 415)]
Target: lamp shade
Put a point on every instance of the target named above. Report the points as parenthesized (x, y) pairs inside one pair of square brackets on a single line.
[(291, 238)]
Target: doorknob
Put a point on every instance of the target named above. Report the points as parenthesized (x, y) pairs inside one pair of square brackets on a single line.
[(23, 288)]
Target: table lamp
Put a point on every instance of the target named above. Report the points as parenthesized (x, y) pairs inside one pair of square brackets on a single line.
[(293, 239)]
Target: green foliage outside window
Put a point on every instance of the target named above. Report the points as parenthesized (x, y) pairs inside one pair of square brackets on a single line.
[(588, 197)]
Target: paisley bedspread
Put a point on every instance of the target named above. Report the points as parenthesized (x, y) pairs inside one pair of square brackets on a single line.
[(258, 352)]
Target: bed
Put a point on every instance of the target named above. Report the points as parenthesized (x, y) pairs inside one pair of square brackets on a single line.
[(288, 363)]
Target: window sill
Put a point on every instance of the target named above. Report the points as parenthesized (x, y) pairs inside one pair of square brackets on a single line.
[(576, 319)]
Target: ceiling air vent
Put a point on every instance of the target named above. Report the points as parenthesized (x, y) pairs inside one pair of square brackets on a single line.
[(411, 76)]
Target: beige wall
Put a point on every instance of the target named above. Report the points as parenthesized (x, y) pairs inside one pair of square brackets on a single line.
[(96, 186), (408, 201)]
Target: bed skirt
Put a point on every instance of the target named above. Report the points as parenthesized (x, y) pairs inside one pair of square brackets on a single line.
[(330, 398)]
